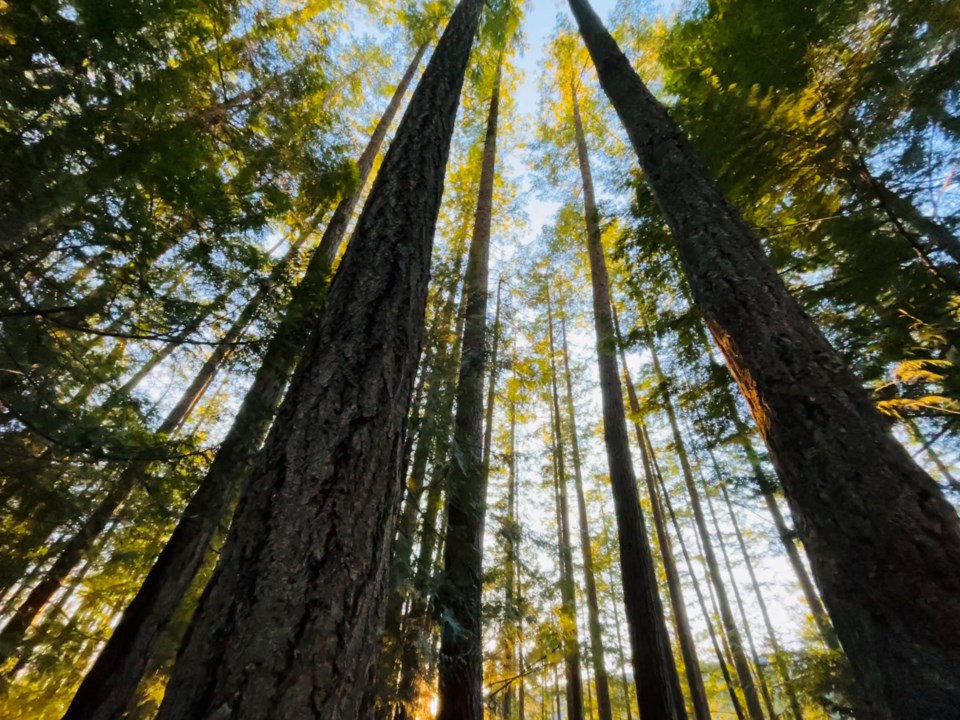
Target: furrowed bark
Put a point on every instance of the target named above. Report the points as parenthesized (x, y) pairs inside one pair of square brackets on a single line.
[(288, 625)]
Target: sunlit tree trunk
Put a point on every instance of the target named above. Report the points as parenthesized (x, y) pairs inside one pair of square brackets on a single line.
[(879, 533)]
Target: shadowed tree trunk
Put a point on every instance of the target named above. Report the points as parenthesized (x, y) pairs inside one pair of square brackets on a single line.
[(778, 659), (688, 647), (111, 683), (663, 498), (571, 642), (883, 541), (604, 711), (288, 625), (658, 684), (461, 682), (740, 662)]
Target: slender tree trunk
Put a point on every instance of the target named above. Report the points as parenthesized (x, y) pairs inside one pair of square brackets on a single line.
[(461, 682), (688, 647), (741, 608), (933, 456), (511, 615), (604, 709), (491, 399), (628, 703), (288, 624), (571, 642), (778, 660), (664, 497), (658, 684), (740, 662), (883, 541)]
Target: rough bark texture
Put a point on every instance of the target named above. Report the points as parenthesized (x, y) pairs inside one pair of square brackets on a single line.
[(111, 683), (288, 625), (604, 711), (883, 541), (461, 682), (568, 599), (658, 684)]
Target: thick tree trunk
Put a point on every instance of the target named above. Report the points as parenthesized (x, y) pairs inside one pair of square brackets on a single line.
[(740, 662), (658, 684), (604, 710), (287, 627), (568, 599), (883, 541), (688, 647), (461, 682), (111, 683)]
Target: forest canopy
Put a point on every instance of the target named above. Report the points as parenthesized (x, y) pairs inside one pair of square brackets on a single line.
[(468, 359)]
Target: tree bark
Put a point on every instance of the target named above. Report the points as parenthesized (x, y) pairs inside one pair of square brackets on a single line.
[(604, 710), (461, 682), (883, 541), (658, 684), (288, 625)]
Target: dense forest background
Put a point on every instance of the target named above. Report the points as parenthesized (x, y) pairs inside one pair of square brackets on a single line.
[(179, 180)]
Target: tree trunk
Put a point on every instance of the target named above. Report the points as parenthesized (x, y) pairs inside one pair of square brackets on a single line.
[(658, 685), (741, 608), (778, 660), (511, 629), (604, 710), (111, 683), (688, 647), (461, 682), (568, 618), (883, 541), (664, 497), (623, 660), (740, 662), (288, 625)]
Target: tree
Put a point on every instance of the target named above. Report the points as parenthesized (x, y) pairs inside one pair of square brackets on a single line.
[(658, 686), (460, 596), (307, 522), (873, 523)]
